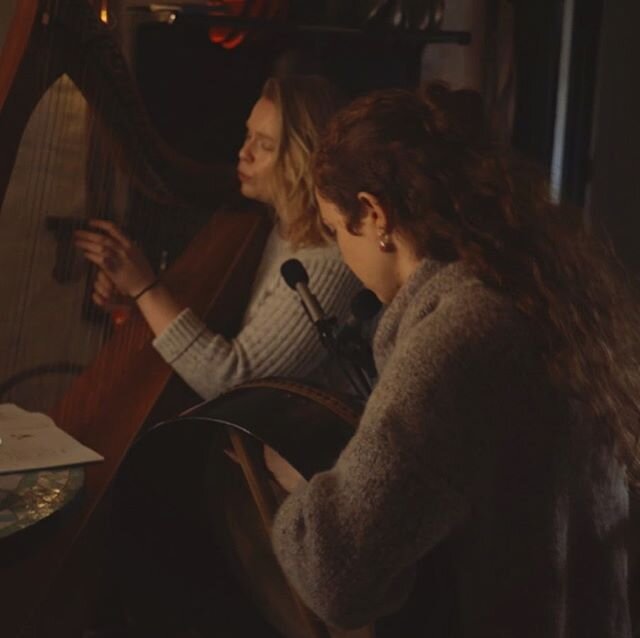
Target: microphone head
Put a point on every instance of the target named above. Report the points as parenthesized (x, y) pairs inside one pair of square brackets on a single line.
[(365, 305), (294, 273)]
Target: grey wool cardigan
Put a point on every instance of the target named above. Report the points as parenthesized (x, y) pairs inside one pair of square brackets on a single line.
[(467, 458)]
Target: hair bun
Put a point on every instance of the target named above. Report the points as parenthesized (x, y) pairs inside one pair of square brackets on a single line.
[(455, 113)]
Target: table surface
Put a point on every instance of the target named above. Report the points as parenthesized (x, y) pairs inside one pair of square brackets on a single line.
[(29, 497)]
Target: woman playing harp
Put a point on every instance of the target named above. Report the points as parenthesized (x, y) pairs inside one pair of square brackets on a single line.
[(275, 338)]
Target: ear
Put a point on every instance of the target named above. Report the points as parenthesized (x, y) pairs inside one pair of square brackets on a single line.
[(374, 212)]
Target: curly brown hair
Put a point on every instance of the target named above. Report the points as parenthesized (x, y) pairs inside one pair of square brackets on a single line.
[(455, 195)]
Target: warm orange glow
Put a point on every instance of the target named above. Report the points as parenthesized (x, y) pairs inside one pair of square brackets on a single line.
[(231, 38), (120, 316), (222, 35), (104, 11)]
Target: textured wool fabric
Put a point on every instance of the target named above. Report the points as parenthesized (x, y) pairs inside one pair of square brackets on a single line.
[(466, 459), (276, 337)]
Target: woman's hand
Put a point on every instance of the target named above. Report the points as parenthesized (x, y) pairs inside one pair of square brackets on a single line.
[(118, 257), (105, 293), (285, 475)]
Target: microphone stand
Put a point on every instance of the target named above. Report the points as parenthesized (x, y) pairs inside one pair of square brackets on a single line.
[(296, 277), (338, 349)]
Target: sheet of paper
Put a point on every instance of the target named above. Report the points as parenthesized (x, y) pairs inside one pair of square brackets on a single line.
[(9, 482), (32, 441)]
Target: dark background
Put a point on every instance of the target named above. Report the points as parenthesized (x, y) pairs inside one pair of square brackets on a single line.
[(199, 94)]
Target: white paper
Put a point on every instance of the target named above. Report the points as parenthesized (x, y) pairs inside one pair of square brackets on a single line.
[(32, 441)]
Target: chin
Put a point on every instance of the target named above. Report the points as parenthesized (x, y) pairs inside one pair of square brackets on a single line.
[(252, 193), (383, 293), (385, 300)]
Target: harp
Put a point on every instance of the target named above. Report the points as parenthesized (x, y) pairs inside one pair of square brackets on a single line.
[(62, 76)]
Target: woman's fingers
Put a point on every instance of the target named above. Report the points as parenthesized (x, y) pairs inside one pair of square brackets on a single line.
[(96, 242), (109, 249), (103, 285), (95, 259), (106, 259), (98, 253), (112, 230), (99, 299), (112, 257), (232, 455), (104, 279), (101, 250), (284, 473)]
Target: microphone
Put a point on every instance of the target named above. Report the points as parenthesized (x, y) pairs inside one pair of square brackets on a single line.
[(296, 277), (364, 306)]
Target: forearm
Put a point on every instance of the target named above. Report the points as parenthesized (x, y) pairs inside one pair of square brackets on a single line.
[(159, 308), (349, 551), (277, 340), (206, 361)]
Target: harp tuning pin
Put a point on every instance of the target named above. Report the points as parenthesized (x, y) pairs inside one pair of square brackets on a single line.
[(164, 260)]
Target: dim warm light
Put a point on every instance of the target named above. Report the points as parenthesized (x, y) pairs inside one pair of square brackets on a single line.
[(230, 38), (224, 36)]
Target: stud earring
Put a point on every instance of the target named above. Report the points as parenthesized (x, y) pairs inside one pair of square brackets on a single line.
[(384, 241)]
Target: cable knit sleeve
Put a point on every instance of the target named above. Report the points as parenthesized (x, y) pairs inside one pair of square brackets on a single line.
[(278, 340), (349, 539)]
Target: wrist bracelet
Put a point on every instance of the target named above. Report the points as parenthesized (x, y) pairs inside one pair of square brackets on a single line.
[(147, 288)]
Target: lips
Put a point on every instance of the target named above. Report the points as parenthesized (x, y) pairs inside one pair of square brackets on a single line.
[(243, 177)]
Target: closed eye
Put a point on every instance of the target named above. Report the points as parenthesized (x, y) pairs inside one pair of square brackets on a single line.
[(265, 142)]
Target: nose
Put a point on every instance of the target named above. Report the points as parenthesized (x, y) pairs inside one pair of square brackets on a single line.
[(245, 152)]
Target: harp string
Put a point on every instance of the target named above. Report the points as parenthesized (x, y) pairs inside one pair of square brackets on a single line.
[(54, 119), (101, 177), (135, 198), (44, 196), (32, 188)]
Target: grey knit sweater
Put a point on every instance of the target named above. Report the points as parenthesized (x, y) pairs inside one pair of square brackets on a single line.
[(468, 464), (276, 337)]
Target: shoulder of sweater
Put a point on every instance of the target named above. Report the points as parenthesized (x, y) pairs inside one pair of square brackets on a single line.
[(455, 288), (456, 307), (469, 339)]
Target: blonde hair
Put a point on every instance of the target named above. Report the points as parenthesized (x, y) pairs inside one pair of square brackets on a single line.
[(305, 103)]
